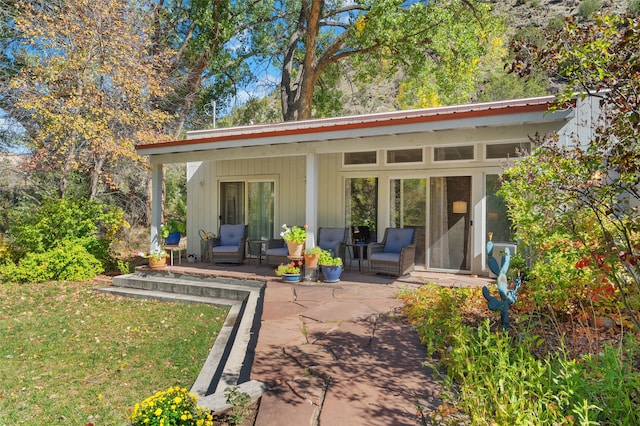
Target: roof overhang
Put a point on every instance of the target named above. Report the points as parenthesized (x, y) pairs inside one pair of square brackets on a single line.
[(491, 114)]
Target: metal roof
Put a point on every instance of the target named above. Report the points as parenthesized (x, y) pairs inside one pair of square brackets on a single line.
[(500, 113)]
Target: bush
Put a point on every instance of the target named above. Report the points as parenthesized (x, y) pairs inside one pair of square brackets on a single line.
[(175, 406), (588, 7), (67, 262), (37, 230)]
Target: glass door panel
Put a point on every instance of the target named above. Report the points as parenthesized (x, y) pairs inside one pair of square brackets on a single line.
[(261, 211), (450, 200), (231, 203), (409, 210), (361, 201)]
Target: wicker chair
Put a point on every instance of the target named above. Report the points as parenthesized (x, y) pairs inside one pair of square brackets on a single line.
[(229, 246), (276, 252), (334, 240), (395, 255)]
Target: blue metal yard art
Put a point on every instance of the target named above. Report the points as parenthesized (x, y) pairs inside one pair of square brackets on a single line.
[(508, 296)]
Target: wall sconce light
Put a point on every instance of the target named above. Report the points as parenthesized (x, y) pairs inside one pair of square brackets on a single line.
[(459, 206)]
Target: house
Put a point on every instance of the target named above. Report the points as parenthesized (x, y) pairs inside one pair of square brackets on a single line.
[(434, 169)]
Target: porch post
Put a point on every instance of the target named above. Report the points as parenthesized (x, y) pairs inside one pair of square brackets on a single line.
[(311, 200), (157, 176)]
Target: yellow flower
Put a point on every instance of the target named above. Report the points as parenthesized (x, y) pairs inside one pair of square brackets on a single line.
[(177, 400), (183, 417), (158, 411)]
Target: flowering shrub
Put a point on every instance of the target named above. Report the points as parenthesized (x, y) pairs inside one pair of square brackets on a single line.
[(174, 406), (288, 268), (295, 234)]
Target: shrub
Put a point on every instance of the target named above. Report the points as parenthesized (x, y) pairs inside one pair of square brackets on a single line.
[(437, 314), (68, 261), (634, 7), (588, 7), (174, 406), (39, 230)]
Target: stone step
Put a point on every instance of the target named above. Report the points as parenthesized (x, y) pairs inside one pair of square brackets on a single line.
[(204, 277), (209, 289), (160, 295)]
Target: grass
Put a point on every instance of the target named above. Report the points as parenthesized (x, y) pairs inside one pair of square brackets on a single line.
[(71, 355)]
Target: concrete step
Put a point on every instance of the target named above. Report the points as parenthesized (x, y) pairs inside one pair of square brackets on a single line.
[(204, 277), (160, 283), (161, 295)]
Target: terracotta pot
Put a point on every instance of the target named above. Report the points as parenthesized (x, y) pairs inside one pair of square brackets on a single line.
[(295, 249), (311, 261), (157, 263)]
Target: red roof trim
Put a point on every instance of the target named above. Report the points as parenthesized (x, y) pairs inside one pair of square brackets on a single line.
[(369, 121)]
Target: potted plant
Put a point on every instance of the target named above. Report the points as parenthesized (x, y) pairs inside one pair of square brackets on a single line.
[(157, 258), (172, 231), (311, 257), (289, 272), (331, 267), (295, 238)]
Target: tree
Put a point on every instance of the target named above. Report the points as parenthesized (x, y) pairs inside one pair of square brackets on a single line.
[(305, 38), (590, 189), (89, 75)]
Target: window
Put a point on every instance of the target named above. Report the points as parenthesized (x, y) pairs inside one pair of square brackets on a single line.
[(506, 150), (404, 156), (453, 153), (356, 158), (497, 220)]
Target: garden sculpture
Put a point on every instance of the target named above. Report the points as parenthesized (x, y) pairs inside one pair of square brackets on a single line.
[(508, 296)]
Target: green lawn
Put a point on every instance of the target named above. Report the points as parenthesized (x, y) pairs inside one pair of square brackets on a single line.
[(70, 355)]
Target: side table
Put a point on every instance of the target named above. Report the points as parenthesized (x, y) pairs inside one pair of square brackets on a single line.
[(259, 244), (357, 249), (173, 248)]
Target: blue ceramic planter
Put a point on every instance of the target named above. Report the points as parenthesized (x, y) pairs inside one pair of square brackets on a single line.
[(290, 278), (173, 239), (331, 274)]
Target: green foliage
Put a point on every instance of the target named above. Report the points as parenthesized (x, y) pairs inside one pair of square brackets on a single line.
[(588, 8), (437, 315), (42, 228), (634, 7), (239, 402), (172, 225), (175, 181), (67, 262), (327, 259), (497, 379)]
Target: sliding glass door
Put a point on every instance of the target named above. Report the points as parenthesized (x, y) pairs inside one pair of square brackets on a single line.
[(450, 201), (253, 200), (409, 210)]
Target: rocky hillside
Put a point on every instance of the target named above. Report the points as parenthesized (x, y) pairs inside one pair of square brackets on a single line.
[(518, 14), (524, 13)]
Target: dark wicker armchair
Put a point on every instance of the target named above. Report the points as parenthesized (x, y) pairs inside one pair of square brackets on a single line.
[(395, 254), (276, 252), (334, 240), (229, 245)]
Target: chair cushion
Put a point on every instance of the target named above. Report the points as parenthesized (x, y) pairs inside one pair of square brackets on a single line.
[(386, 257), (280, 251), (329, 238), (225, 249), (397, 238), (230, 235)]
